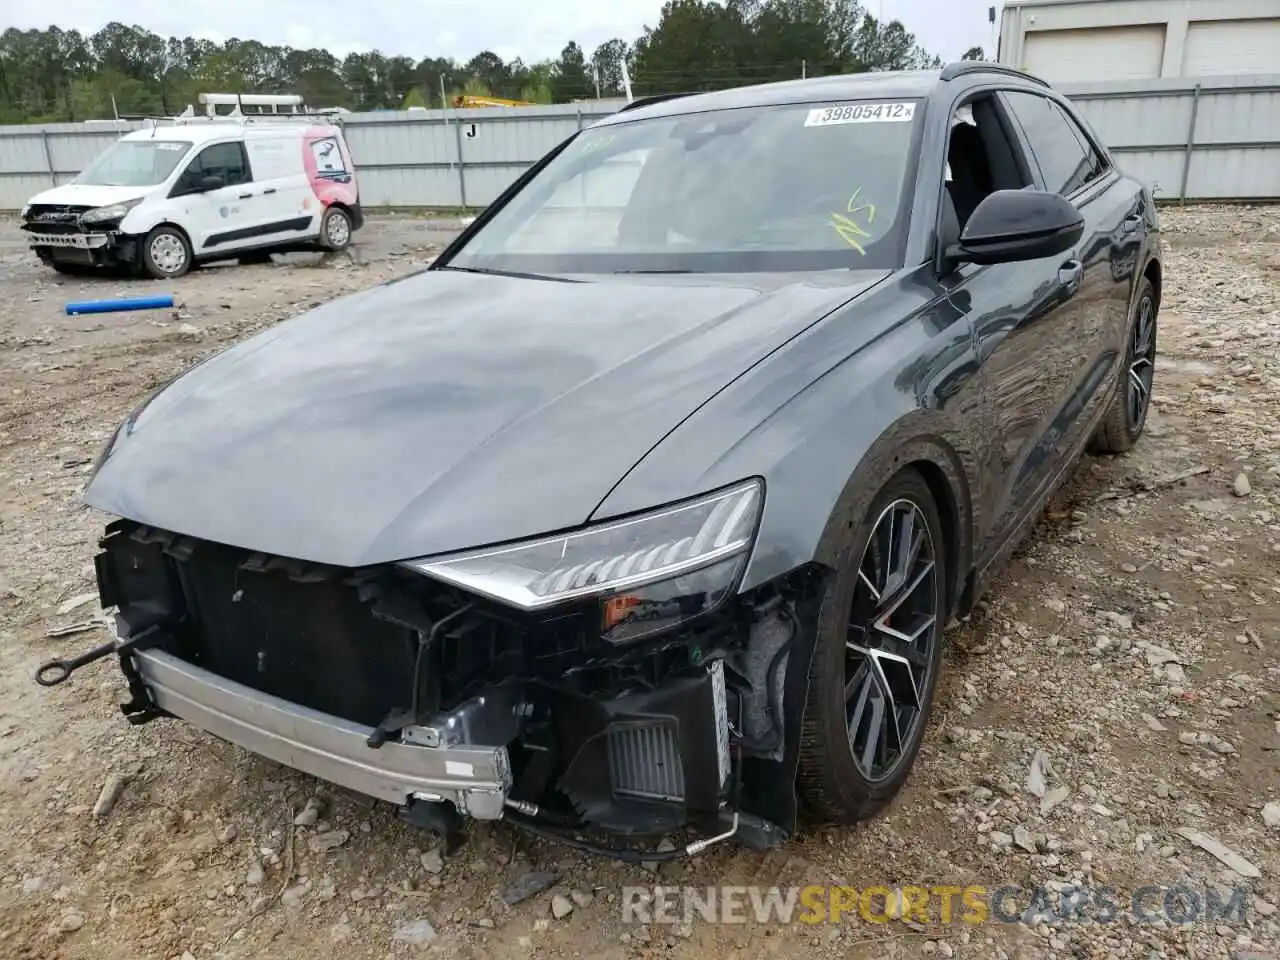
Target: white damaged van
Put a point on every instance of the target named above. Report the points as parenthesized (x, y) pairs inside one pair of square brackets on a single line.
[(211, 187)]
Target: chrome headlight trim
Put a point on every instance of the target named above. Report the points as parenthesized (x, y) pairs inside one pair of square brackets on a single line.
[(608, 557)]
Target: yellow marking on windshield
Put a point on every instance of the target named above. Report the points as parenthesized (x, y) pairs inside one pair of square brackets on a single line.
[(848, 228), (871, 215)]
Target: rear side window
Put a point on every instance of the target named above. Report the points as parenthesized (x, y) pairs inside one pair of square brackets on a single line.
[(1066, 156), (225, 160), (272, 157)]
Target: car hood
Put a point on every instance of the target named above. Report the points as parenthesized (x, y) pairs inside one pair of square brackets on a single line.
[(89, 195), (444, 410)]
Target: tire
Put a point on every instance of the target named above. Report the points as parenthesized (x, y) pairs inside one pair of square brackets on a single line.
[(833, 785), (1126, 417), (335, 229), (166, 253)]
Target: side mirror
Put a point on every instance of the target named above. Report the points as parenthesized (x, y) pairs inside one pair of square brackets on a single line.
[(1014, 225), (208, 183)]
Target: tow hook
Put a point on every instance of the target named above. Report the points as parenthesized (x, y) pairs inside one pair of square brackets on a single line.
[(54, 672)]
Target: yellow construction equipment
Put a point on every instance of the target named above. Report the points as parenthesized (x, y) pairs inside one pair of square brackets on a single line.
[(464, 101)]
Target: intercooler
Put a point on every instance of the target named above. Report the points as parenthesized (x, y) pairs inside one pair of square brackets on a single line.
[(644, 761)]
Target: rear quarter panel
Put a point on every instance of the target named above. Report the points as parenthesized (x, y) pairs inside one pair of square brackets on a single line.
[(329, 169)]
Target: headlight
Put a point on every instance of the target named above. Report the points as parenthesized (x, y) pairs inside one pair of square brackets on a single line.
[(115, 211), (26, 208), (647, 573)]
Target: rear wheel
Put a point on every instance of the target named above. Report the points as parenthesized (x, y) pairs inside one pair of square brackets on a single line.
[(1127, 415), (335, 229), (877, 656), (166, 253)]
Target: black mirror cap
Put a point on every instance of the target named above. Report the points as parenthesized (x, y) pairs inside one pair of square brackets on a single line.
[(1014, 225)]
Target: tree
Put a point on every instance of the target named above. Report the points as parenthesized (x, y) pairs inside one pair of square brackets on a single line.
[(436, 73), (704, 44), (535, 82), (607, 63), (489, 71), (973, 53), (401, 75), (570, 79), (888, 46), (690, 49), (315, 75), (56, 74)]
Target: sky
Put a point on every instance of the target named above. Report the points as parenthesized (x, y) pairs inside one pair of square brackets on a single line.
[(455, 28)]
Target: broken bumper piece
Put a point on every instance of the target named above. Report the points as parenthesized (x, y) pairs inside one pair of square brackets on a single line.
[(474, 778), (74, 241)]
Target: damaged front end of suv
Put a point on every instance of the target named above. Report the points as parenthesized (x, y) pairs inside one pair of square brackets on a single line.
[(611, 678)]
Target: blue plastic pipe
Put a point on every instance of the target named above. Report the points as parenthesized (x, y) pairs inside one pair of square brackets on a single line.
[(124, 303)]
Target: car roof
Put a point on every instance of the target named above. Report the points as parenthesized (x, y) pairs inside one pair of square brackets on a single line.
[(198, 133), (881, 85), (903, 85)]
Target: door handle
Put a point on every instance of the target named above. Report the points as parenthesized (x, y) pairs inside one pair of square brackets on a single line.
[(245, 196), (268, 190), (1070, 274)]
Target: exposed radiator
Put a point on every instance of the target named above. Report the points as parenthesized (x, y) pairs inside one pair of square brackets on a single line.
[(644, 761)]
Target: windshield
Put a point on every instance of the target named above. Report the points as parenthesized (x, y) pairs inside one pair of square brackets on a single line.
[(135, 163), (794, 187)]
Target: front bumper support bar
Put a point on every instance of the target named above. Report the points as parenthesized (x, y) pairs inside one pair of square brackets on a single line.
[(77, 241), (476, 779)]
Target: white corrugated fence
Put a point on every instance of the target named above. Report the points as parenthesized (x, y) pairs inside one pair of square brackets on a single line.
[(1216, 139)]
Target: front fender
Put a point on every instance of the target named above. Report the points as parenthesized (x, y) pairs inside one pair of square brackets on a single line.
[(826, 422), (144, 218), (949, 465)]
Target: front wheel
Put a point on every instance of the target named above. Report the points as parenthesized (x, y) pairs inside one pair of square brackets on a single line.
[(166, 254), (877, 656), (1125, 419)]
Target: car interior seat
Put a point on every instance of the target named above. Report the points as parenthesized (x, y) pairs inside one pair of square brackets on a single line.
[(971, 178)]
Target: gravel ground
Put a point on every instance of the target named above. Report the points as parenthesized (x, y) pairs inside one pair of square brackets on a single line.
[(1129, 656)]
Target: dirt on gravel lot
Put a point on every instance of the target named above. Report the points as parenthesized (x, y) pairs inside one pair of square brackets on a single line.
[(1130, 655)]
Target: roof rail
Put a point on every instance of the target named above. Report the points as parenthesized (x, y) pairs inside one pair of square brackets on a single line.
[(650, 101), (963, 68), (318, 117)]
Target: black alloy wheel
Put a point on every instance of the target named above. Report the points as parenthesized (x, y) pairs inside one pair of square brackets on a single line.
[(877, 655), (1142, 363), (888, 659), (1125, 419)]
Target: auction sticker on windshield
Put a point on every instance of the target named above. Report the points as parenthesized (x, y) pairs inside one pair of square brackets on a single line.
[(861, 113)]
